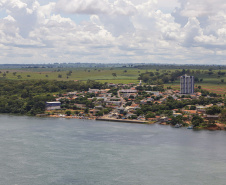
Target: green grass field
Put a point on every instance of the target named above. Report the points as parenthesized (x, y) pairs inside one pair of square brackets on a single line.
[(212, 83), (123, 75)]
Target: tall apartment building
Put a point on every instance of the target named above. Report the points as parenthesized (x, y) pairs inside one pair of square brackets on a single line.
[(187, 84)]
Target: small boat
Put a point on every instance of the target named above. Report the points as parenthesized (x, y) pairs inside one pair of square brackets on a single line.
[(190, 127), (177, 126)]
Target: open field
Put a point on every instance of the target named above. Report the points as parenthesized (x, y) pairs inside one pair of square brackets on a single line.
[(212, 83), (121, 75)]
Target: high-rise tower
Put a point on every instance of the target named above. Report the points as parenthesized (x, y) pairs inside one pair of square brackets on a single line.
[(187, 84)]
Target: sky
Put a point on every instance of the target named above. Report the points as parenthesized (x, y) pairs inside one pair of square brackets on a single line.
[(113, 31)]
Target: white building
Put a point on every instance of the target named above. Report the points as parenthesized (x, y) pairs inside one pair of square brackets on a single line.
[(187, 84)]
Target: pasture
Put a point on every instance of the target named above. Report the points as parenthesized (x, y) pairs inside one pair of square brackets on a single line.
[(117, 75), (211, 82)]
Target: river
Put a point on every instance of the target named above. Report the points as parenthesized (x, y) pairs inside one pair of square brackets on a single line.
[(50, 151)]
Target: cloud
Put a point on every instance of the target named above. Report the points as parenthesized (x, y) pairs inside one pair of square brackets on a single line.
[(119, 7), (113, 31), (194, 8), (84, 6), (202, 10), (191, 31), (25, 14)]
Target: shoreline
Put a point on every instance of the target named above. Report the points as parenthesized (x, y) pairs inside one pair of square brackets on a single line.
[(212, 128), (122, 120), (95, 118)]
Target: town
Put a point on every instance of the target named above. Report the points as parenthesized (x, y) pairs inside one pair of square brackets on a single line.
[(191, 106)]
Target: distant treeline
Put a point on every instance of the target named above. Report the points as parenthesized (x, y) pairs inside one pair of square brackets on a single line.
[(114, 65), (29, 97), (174, 66), (166, 76)]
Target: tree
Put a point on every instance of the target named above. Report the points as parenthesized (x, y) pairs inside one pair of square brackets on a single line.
[(150, 115), (165, 79), (223, 116), (68, 113), (221, 73), (114, 74), (177, 120), (69, 73), (197, 121), (133, 117), (100, 113), (76, 112), (210, 73), (86, 110), (193, 107), (196, 79), (128, 103), (213, 110), (139, 112)]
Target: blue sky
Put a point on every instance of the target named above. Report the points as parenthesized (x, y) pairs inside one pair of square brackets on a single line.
[(108, 31)]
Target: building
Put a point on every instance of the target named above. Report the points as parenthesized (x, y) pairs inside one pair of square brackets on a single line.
[(53, 105), (94, 91), (187, 84), (128, 91)]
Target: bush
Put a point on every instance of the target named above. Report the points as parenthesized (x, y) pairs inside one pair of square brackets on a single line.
[(68, 113)]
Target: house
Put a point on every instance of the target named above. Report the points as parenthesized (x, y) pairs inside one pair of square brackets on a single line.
[(164, 119), (99, 107), (156, 93), (177, 114), (72, 93), (150, 99), (117, 103), (201, 108), (220, 104), (190, 111), (53, 105), (212, 117), (128, 91), (94, 91), (133, 107), (112, 85), (143, 102)]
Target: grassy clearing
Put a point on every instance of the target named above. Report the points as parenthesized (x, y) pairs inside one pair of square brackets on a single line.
[(123, 75), (212, 83)]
